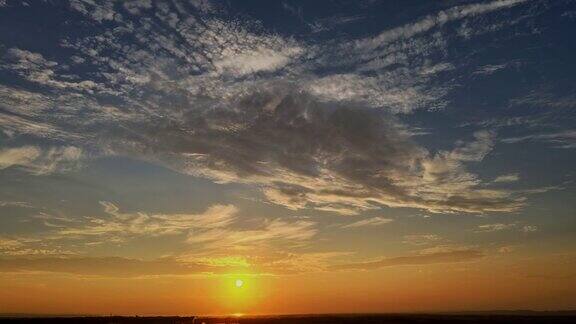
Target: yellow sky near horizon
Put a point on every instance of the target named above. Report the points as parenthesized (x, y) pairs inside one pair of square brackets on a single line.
[(489, 284)]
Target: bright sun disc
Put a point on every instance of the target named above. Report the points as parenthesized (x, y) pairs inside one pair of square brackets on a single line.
[(239, 283)]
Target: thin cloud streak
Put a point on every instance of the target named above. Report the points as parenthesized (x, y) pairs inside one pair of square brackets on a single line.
[(432, 258)]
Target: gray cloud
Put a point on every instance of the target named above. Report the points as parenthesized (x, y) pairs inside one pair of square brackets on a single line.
[(306, 153)]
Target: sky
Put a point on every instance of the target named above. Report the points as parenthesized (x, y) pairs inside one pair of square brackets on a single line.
[(334, 156)]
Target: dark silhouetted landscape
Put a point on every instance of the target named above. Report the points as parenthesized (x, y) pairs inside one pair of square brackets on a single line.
[(469, 318)]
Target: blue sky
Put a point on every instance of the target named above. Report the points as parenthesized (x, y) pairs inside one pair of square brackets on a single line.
[(226, 135)]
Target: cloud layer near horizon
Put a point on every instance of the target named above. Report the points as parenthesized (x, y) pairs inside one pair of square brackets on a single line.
[(276, 264)]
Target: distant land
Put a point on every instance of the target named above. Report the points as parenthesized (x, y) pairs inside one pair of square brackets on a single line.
[(520, 316)]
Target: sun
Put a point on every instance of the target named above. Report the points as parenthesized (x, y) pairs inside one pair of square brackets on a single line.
[(239, 283)]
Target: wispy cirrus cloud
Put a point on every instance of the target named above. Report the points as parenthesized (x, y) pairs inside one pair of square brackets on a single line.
[(29, 247), (422, 259), (278, 263), (214, 229), (114, 267), (506, 226), (512, 177), (495, 227), (563, 139), (374, 221), (422, 239), (21, 204), (427, 23), (545, 98), (123, 225), (490, 69)]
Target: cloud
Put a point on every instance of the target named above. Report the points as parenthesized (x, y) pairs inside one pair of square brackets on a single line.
[(217, 261), (296, 263), (307, 154), (512, 177), (563, 139), (545, 98), (273, 263), (432, 258), (35, 68), (135, 7), (256, 60), (205, 6), (98, 12), (372, 92), (26, 246), (18, 156), (530, 122), (314, 125), (374, 221), (529, 228), (502, 227), (21, 204), (115, 267), (37, 161), (9, 244), (429, 22), (489, 69), (122, 225), (495, 227), (218, 232), (310, 126), (280, 263), (214, 229), (506, 249), (22, 103), (421, 239), (437, 68), (291, 233)]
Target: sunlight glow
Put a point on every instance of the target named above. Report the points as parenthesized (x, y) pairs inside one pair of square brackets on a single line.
[(239, 283)]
